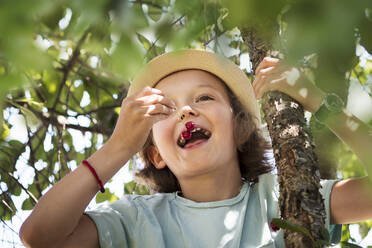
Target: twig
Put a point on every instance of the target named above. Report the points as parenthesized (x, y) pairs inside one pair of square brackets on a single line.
[(16, 180), (68, 67)]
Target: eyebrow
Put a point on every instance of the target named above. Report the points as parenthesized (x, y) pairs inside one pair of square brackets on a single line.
[(207, 86)]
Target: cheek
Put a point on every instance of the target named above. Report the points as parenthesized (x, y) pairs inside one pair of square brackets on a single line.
[(227, 125), (162, 133)]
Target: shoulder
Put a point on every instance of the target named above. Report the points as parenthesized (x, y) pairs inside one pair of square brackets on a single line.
[(267, 189), (327, 185), (133, 205), (139, 201), (267, 183), (267, 179)]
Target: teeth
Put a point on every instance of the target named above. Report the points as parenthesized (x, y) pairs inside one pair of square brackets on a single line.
[(196, 129), (182, 141), (207, 133)]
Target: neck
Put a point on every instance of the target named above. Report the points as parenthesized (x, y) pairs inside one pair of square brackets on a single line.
[(222, 185)]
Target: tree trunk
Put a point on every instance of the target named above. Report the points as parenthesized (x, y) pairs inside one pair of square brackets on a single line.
[(300, 201)]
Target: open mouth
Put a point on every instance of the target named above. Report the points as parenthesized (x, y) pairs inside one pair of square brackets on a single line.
[(189, 137)]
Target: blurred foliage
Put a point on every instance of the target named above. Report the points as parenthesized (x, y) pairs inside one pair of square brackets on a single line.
[(65, 67)]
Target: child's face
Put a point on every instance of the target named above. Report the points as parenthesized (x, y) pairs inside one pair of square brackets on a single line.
[(203, 99)]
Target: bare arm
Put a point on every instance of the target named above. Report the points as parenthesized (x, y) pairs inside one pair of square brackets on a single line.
[(356, 134), (351, 199), (85, 235), (59, 212), (57, 219)]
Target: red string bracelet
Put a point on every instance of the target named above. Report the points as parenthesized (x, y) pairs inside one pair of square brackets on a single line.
[(102, 189)]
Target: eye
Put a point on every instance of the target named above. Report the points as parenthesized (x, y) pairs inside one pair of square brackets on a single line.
[(204, 98)]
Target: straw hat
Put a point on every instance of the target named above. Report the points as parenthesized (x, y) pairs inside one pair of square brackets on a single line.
[(230, 73)]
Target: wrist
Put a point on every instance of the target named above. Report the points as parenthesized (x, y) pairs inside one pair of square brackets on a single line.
[(108, 160), (118, 149)]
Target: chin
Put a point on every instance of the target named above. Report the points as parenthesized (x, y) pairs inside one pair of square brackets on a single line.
[(199, 167)]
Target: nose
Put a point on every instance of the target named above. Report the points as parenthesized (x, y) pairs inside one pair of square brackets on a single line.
[(186, 111)]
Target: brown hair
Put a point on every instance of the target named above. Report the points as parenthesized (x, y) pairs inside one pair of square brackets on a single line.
[(251, 147)]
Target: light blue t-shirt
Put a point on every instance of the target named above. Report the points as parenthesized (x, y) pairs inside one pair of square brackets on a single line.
[(169, 220)]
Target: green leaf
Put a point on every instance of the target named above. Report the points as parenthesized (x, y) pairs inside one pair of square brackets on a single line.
[(30, 117), (139, 18), (78, 92), (127, 57), (349, 245), (141, 190), (321, 243), (284, 224), (16, 144), (324, 233), (154, 13), (7, 216), (364, 228), (4, 132), (107, 196), (17, 190), (31, 101), (7, 206), (52, 17), (27, 204), (130, 187), (145, 42), (135, 188), (163, 3), (2, 211), (34, 190)]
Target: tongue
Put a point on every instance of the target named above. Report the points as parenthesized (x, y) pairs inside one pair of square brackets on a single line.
[(194, 142)]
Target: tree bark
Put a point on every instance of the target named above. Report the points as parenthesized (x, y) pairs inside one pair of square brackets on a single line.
[(300, 201)]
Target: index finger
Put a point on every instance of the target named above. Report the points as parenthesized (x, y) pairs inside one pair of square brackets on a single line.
[(266, 62), (154, 98), (148, 91)]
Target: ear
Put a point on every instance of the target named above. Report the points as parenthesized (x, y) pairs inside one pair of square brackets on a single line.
[(154, 156)]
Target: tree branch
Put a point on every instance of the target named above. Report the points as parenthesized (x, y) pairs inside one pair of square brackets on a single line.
[(54, 121), (67, 68)]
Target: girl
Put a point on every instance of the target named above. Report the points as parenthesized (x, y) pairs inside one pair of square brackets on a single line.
[(194, 118)]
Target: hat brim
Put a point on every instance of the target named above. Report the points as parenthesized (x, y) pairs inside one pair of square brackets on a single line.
[(226, 70)]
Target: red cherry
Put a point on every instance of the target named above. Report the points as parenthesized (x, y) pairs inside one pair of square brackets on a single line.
[(190, 125), (186, 135), (274, 227)]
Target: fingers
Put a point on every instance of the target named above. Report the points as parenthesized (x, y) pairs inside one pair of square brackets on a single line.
[(269, 76), (266, 62), (147, 91), (155, 109), (153, 104), (269, 84), (157, 112), (150, 95), (268, 79), (154, 98)]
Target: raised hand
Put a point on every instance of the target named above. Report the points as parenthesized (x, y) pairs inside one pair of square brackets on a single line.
[(137, 115), (272, 75)]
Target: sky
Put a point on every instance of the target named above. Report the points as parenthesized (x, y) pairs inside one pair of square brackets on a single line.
[(8, 238)]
